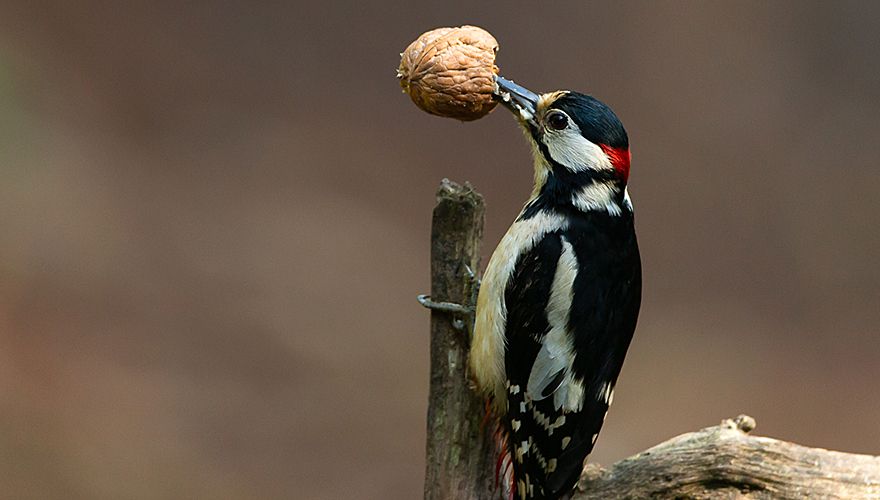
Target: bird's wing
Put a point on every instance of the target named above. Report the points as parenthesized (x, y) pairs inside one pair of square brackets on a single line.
[(536, 366), (557, 400)]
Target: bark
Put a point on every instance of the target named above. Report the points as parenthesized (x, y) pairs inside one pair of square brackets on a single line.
[(459, 449), (726, 462), (723, 461)]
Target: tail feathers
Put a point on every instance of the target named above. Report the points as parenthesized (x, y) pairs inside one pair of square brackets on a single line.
[(540, 455), (547, 446), (504, 464)]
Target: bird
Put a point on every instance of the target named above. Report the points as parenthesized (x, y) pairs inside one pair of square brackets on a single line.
[(559, 300)]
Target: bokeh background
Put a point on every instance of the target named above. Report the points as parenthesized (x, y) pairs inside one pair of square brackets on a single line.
[(214, 220)]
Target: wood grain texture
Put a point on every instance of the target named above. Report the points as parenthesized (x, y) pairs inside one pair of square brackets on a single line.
[(726, 462), (459, 450)]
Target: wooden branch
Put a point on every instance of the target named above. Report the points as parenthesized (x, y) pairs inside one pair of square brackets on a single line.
[(717, 462), (725, 462)]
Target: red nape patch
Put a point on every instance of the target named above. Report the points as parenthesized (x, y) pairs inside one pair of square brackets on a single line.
[(620, 158)]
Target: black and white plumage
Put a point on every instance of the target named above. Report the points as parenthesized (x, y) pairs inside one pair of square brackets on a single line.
[(560, 297)]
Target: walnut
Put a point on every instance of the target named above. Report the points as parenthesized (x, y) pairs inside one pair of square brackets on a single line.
[(451, 72)]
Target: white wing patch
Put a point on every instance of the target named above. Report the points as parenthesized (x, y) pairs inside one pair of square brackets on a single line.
[(487, 346), (556, 357), (606, 393)]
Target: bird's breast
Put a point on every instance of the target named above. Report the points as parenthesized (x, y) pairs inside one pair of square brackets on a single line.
[(487, 346)]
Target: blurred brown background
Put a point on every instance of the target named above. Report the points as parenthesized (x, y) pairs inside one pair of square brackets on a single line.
[(215, 219)]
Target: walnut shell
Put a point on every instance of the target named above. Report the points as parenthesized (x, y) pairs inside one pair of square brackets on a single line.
[(451, 72)]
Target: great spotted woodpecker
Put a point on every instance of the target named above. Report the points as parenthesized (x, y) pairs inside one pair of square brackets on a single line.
[(559, 300)]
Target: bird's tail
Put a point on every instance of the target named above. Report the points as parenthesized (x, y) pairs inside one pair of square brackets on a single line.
[(504, 463)]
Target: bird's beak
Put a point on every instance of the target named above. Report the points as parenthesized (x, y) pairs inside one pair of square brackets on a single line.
[(518, 99)]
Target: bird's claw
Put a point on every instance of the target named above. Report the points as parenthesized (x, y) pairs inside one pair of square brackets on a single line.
[(447, 307), (473, 284), (462, 315), (458, 311)]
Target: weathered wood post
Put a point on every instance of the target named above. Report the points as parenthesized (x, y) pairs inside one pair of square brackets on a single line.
[(459, 451)]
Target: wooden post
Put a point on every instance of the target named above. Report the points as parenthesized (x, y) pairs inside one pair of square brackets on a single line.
[(459, 450)]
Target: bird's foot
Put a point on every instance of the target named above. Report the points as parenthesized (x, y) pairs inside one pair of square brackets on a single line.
[(473, 285), (462, 314), (459, 312)]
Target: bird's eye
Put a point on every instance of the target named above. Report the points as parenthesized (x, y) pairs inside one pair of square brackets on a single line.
[(557, 121)]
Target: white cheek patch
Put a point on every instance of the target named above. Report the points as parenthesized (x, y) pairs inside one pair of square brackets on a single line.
[(573, 151), (597, 196), (627, 201)]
